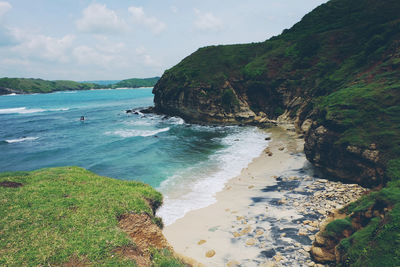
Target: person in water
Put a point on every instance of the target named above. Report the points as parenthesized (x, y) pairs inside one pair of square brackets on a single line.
[(82, 118)]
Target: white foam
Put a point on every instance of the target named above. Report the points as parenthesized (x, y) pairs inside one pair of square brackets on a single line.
[(58, 109), (24, 110), (208, 178), (132, 133), (21, 139), (175, 120)]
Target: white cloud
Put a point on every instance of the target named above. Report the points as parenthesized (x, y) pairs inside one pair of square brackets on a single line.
[(98, 19), (86, 55), (6, 37), (105, 53), (207, 21), (174, 9), (4, 8), (140, 17), (147, 59), (43, 47)]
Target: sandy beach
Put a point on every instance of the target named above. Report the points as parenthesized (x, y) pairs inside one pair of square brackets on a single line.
[(261, 217)]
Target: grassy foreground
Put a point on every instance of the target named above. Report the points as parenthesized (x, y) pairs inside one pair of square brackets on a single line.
[(68, 214)]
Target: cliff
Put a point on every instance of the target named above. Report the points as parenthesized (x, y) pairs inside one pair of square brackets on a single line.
[(335, 74)]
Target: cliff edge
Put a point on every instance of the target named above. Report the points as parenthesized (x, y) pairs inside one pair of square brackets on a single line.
[(335, 74)]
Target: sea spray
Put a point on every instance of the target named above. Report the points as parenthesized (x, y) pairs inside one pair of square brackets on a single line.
[(195, 187)]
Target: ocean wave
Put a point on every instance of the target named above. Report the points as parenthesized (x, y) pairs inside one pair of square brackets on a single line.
[(199, 184), (19, 140), (148, 120), (24, 110), (58, 109), (68, 92), (175, 120), (132, 133)]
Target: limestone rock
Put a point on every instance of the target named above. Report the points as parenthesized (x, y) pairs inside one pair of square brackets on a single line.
[(201, 242), (322, 255), (211, 253)]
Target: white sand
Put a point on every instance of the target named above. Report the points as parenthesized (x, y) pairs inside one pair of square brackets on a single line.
[(235, 213)]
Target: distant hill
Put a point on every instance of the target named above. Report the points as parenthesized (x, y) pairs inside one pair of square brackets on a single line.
[(30, 85), (103, 82), (135, 83)]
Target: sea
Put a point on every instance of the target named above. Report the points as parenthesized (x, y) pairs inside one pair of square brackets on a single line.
[(186, 162)]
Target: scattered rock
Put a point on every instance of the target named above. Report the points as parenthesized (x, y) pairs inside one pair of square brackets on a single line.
[(278, 257), (245, 230), (201, 242), (321, 255), (251, 242), (281, 148), (259, 232), (236, 234), (210, 253), (233, 263)]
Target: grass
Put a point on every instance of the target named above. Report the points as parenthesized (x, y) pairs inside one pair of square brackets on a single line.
[(337, 227), (61, 214)]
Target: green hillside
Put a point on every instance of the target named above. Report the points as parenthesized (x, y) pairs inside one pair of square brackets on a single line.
[(26, 85), (336, 75)]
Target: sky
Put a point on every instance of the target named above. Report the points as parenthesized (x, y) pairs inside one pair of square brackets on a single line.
[(111, 40)]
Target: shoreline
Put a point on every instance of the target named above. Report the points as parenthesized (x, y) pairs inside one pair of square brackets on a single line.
[(258, 219)]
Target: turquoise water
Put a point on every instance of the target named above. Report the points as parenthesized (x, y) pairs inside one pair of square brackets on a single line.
[(188, 163)]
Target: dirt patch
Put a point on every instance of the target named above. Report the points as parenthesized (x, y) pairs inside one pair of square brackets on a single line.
[(134, 253), (10, 184), (145, 234), (143, 231), (75, 261)]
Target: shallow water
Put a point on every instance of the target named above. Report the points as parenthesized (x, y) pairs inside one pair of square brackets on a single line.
[(187, 163)]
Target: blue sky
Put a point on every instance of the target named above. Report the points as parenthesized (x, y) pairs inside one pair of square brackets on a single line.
[(102, 40)]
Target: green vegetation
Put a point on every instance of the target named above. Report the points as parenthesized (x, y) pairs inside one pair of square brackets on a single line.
[(164, 258), (24, 85), (135, 83), (337, 227), (68, 214)]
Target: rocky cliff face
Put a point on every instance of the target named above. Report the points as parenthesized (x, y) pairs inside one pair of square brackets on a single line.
[(335, 75)]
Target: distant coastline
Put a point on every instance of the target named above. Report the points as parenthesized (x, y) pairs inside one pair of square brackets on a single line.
[(10, 86)]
